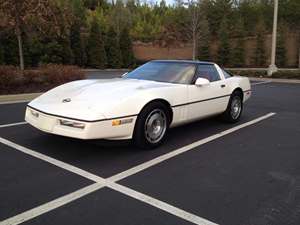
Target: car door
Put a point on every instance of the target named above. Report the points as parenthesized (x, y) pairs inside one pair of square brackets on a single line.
[(207, 99)]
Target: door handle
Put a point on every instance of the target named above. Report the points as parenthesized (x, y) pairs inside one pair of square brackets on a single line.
[(223, 85)]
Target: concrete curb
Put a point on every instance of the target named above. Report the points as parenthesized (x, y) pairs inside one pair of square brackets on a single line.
[(17, 98), (275, 80)]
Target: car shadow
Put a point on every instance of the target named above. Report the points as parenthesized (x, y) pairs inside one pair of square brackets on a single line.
[(106, 158)]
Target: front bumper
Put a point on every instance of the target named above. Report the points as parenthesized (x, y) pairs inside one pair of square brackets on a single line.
[(103, 129)]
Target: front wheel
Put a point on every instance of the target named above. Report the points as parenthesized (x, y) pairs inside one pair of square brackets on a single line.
[(151, 126), (234, 108)]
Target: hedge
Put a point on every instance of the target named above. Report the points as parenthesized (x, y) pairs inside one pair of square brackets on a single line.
[(14, 81), (285, 74)]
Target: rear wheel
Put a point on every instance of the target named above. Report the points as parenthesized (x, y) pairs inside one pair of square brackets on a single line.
[(234, 108), (151, 126)]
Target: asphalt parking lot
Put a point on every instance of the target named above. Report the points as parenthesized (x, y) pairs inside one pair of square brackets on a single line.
[(206, 173)]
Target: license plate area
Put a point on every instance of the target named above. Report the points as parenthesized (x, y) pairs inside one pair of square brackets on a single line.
[(46, 123)]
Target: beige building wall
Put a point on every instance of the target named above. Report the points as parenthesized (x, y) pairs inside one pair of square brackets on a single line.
[(149, 51)]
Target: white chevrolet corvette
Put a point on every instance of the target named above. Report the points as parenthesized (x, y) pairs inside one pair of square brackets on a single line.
[(141, 105)]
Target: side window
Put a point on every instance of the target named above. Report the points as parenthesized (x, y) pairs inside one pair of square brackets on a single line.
[(208, 72), (226, 74)]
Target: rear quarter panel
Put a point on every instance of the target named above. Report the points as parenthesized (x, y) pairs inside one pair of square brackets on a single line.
[(240, 82)]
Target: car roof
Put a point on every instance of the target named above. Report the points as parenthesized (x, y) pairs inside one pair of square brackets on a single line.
[(185, 61)]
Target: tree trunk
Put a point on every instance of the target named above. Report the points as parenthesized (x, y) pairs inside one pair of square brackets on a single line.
[(194, 45), (19, 34), (20, 44)]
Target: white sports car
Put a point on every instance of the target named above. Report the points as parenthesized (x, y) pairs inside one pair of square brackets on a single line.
[(141, 105)]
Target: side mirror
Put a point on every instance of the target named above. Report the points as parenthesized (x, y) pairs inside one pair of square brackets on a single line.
[(124, 74), (201, 82)]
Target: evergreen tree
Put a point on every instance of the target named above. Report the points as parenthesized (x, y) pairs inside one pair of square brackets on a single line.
[(113, 49), (1, 54), (96, 55), (57, 51), (280, 48), (76, 44), (203, 47), (238, 52), (260, 55), (126, 49), (10, 47), (224, 46), (66, 51)]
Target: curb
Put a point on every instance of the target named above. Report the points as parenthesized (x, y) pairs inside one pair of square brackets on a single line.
[(275, 80), (18, 98)]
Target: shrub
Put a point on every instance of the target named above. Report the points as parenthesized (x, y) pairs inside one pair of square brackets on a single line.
[(284, 74), (13, 81), (59, 74), (9, 76), (249, 73), (289, 74)]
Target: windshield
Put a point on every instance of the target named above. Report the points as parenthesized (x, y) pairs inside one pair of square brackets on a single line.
[(171, 72)]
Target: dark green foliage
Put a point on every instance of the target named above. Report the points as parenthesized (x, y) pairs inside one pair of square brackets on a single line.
[(96, 55), (93, 4), (224, 46), (57, 51), (10, 47), (280, 49), (67, 54), (126, 49), (1, 53), (33, 51), (238, 52), (259, 54), (113, 52), (203, 49), (77, 45)]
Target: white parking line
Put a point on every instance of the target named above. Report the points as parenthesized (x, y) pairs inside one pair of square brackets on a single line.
[(258, 83), (186, 148), (110, 182), (32, 213), (53, 161), (160, 204), (13, 124)]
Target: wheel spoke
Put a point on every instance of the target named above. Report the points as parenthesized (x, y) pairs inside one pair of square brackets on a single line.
[(155, 126)]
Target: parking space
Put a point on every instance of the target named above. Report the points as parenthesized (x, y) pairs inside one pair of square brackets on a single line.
[(110, 208), (245, 173), (239, 179), (12, 113), (27, 182)]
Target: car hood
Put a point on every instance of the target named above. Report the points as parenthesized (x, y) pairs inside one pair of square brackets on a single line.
[(90, 99)]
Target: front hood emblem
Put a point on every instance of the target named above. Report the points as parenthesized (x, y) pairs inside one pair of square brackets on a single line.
[(66, 100)]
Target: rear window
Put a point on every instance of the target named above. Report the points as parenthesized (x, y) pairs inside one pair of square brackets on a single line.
[(227, 74), (208, 72)]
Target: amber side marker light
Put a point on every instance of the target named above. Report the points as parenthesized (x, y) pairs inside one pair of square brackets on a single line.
[(120, 122)]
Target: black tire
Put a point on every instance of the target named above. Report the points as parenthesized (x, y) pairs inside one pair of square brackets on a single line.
[(229, 115), (140, 137)]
